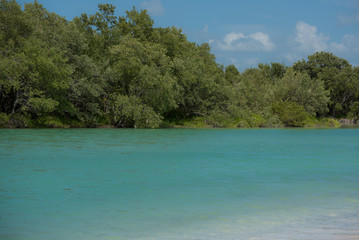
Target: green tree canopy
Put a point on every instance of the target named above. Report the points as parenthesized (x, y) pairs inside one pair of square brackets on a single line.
[(105, 69), (300, 88)]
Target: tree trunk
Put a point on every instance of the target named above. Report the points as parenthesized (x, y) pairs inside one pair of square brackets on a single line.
[(14, 105)]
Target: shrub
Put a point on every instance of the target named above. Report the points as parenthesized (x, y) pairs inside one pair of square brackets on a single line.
[(4, 120), (48, 122), (354, 111), (131, 112), (290, 113), (219, 119), (313, 122)]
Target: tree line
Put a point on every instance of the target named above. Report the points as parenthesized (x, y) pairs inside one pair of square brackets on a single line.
[(104, 70)]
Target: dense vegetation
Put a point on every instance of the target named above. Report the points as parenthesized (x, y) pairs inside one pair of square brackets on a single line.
[(104, 70)]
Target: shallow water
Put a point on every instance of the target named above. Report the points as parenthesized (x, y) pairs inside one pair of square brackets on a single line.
[(179, 184)]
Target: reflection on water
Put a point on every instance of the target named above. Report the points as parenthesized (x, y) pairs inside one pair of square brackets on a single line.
[(179, 184)]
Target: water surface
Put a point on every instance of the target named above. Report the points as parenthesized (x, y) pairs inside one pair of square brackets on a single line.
[(179, 184)]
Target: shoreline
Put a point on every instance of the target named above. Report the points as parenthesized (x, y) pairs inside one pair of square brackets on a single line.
[(356, 126), (199, 123)]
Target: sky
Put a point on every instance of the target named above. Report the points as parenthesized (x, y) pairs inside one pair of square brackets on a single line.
[(246, 33)]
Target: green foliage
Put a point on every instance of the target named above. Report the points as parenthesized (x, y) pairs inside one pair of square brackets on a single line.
[(290, 113), (300, 88), (252, 121), (131, 112), (4, 120), (340, 79), (255, 92), (14, 27), (354, 111), (277, 70), (137, 24), (48, 122), (319, 62), (42, 105), (219, 119), (18, 121), (103, 69), (194, 122), (231, 74), (312, 122), (344, 89), (144, 71)]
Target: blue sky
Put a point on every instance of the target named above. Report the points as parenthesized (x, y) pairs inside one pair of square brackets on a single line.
[(245, 33)]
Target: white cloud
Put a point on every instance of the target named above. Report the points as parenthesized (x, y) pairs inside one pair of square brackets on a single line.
[(154, 7), (308, 39), (230, 38), (240, 42), (264, 39), (210, 41)]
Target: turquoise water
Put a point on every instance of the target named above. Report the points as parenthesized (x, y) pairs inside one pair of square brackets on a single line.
[(179, 184)]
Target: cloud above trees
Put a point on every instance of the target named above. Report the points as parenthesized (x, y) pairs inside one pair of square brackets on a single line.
[(258, 41), (308, 40), (304, 40)]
